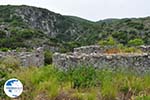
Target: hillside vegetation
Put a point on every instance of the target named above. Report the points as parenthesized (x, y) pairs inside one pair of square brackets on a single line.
[(26, 26)]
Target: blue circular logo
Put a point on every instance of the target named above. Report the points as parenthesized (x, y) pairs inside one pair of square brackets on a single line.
[(13, 88)]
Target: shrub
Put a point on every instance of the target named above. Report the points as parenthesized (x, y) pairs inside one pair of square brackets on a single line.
[(136, 42), (4, 49), (83, 77), (120, 48), (130, 50), (26, 33), (48, 57), (109, 42), (127, 49)]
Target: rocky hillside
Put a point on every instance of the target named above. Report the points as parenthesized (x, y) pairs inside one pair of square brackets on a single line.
[(30, 26), (26, 26)]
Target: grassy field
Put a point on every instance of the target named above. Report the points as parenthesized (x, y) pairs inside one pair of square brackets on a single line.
[(81, 83)]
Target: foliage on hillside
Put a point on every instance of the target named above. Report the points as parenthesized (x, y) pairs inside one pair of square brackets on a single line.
[(67, 32)]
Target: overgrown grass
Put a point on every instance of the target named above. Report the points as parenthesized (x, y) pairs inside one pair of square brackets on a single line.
[(81, 83)]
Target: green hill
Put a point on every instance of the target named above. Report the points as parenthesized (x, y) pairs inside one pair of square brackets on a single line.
[(27, 26)]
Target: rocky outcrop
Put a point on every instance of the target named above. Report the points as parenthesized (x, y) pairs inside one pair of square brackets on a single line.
[(34, 58), (98, 59), (46, 21)]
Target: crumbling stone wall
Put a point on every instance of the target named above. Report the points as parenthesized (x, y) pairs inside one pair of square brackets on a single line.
[(34, 58), (103, 49), (98, 59), (145, 48), (89, 49)]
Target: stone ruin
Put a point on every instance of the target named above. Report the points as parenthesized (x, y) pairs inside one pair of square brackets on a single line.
[(95, 56), (26, 59)]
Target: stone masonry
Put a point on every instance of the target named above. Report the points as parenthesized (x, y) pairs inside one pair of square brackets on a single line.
[(34, 58), (95, 56)]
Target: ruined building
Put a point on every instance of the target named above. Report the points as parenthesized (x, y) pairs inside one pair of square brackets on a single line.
[(95, 56)]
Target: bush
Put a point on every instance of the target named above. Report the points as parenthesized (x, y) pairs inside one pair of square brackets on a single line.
[(48, 57), (136, 42), (131, 50), (4, 49), (83, 77), (120, 48), (109, 42)]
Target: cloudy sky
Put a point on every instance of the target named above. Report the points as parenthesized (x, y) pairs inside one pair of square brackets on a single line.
[(91, 9)]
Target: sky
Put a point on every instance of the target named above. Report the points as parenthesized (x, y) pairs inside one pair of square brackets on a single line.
[(93, 10)]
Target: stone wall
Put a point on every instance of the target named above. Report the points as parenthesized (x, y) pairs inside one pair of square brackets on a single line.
[(103, 49), (89, 49), (145, 48), (34, 58), (98, 59)]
